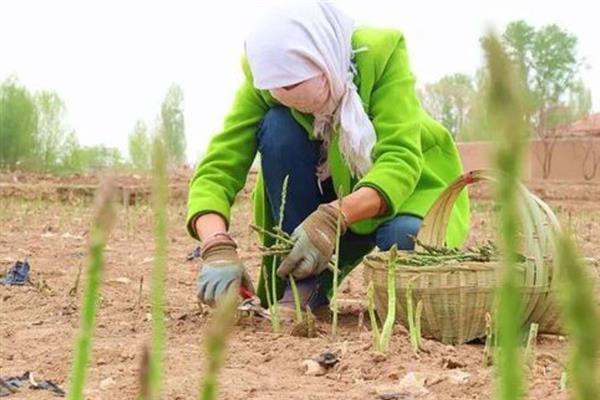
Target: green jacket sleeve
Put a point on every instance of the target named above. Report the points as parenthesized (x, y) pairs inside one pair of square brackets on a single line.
[(222, 172), (396, 115)]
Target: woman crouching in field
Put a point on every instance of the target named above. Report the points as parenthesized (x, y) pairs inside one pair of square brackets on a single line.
[(333, 106)]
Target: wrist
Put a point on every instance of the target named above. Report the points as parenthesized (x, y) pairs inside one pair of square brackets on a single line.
[(335, 212), (218, 238), (363, 204), (219, 248), (346, 221), (207, 225)]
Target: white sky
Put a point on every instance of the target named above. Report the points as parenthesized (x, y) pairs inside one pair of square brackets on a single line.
[(112, 61)]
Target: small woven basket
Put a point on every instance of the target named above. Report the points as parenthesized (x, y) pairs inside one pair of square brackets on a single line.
[(456, 297)]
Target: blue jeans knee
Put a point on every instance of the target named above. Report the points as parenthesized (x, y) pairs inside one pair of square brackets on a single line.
[(399, 231)]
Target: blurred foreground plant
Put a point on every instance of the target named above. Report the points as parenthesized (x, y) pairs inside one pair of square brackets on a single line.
[(159, 209), (99, 233), (215, 342), (507, 117), (582, 320)]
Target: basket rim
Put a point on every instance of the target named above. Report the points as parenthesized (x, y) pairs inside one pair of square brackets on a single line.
[(526, 290), (466, 266)]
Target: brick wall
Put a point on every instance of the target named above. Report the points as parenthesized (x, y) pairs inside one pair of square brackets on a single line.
[(565, 159)]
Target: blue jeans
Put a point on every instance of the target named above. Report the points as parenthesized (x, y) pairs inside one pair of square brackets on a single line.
[(286, 150)]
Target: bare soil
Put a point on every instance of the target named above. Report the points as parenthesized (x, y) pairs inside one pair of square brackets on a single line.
[(38, 323)]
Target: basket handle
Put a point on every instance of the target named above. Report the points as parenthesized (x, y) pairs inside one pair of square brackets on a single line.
[(434, 226)]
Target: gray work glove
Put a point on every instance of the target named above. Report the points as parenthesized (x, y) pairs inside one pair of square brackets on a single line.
[(314, 243), (221, 269)]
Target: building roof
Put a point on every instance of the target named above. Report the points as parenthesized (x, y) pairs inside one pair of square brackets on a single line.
[(588, 126)]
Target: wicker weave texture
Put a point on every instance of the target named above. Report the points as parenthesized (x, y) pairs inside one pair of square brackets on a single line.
[(457, 297)]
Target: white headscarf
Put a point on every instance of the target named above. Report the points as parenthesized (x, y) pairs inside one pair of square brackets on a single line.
[(300, 41)]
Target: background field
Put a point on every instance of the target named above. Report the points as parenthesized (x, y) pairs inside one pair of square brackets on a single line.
[(46, 220)]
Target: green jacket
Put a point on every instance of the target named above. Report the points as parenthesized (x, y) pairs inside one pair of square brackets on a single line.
[(414, 158)]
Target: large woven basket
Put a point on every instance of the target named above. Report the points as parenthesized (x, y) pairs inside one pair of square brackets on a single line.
[(457, 297)]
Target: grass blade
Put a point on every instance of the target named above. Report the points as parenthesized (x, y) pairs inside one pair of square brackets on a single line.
[(490, 339), (99, 233), (279, 228), (582, 321), (336, 270), (267, 291), (159, 205), (296, 295), (275, 322), (563, 382), (371, 307), (531, 342), (411, 317), (390, 318), (274, 306), (417, 333), (284, 188)]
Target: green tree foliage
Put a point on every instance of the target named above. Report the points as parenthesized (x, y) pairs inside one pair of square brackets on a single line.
[(548, 72), (450, 100), (34, 136), (18, 126), (172, 125), (549, 66), (140, 147), (51, 129), (99, 157), (71, 160), (78, 158), (580, 100), (477, 126)]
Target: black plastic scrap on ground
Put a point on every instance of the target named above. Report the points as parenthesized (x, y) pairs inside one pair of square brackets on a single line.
[(18, 274), (12, 384)]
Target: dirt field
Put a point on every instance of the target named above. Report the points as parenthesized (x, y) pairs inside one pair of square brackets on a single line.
[(37, 323)]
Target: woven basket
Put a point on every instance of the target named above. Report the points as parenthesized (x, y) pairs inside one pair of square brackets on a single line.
[(456, 297)]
